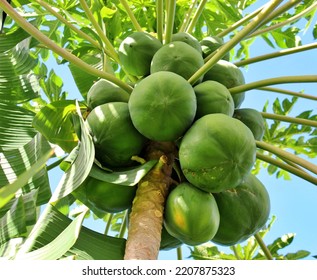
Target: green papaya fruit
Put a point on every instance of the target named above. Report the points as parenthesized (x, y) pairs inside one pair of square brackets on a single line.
[(104, 91), (136, 52), (115, 138), (177, 57), (253, 119), (217, 153), (211, 44), (191, 215), (243, 210), (188, 39), (106, 197), (162, 106), (213, 97), (230, 76)]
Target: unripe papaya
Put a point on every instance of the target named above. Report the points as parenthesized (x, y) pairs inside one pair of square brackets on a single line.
[(104, 91), (177, 57), (191, 215), (253, 119), (213, 97), (136, 52), (115, 138), (107, 197), (217, 153), (211, 44), (188, 39), (230, 76), (162, 106), (243, 210)]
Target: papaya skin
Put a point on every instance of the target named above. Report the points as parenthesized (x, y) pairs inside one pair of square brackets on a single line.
[(136, 52), (253, 120), (115, 138), (108, 197), (213, 97), (243, 210), (188, 39), (103, 92), (230, 76), (177, 57), (191, 215), (211, 44), (217, 153), (162, 106)]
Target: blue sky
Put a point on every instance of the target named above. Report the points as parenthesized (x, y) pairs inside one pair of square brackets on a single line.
[(292, 202)]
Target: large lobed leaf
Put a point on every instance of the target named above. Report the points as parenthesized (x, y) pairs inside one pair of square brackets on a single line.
[(56, 230), (54, 121), (23, 168)]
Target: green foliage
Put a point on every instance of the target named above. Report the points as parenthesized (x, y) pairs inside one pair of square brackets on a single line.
[(33, 101), (299, 139), (250, 250)]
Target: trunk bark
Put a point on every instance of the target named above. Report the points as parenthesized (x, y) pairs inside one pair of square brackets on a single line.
[(146, 218)]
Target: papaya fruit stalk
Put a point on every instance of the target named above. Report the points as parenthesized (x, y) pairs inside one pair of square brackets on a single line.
[(146, 218)]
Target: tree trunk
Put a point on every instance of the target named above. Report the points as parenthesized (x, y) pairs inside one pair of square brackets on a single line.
[(146, 218)]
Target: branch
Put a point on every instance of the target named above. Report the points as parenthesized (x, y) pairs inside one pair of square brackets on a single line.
[(102, 35), (296, 171), (239, 23), (170, 20), (187, 16), (274, 81), (131, 16), (288, 156), (235, 40), (285, 22), (264, 248), (288, 92), (197, 14), (289, 119), (68, 24), (34, 32), (276, 54), (160, 19)]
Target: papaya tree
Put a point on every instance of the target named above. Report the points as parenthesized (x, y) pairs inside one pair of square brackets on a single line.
[(158, 144)]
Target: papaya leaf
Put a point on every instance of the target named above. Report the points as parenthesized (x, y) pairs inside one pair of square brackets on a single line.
[(209, 252), (13, 224), (11, 38), (83, 80), (52, 87), (17, 81), (126, 178), (29, 201), (281, 243), (54, 122), (89, 244), (9, 249), (81, 166), (23, 168), (15, 221), (59, 246), (15, 126), (301, 254)]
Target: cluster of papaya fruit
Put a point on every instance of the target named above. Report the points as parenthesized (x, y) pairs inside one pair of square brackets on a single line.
[(219, 200)]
